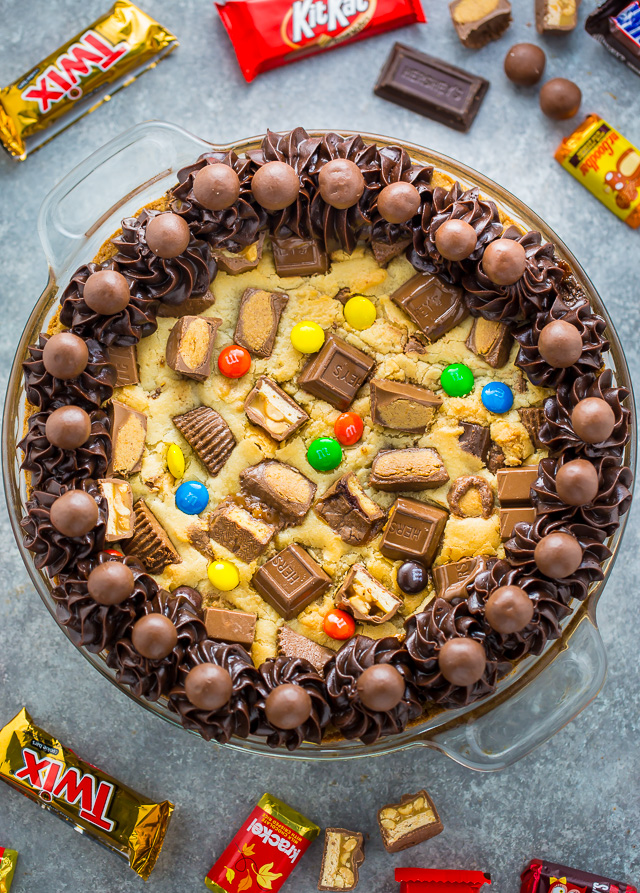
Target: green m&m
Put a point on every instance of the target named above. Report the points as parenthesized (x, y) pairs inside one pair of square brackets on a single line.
[(324, 454), (457, 380)]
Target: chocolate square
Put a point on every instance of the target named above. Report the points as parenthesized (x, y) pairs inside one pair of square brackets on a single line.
[(490, 340), (514, 484), (290, 581), (299, 257), (258, 319), (434, 305), (402, 406), (512, 515), (230, 626), (451, 580), (349, 511), (268, 406), (414, 531), (124, 359), (239, 532), (336, 373), (475, 439), (293, 644)]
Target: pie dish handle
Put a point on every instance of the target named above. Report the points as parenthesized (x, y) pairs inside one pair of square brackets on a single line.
[(87, 205), (509, 731)]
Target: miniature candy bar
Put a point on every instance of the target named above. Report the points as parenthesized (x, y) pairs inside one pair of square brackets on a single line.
[(239, 532), (490, 340), (45, 770), (514, 486), (349, 511), (403, 406), (299, 257), (414, 531), (616, 24), (475, 439), (342, 856), (190, 346), (120, 517), (451, 580), (554, 16), (409, 822), (280, 486), (470, 496), (549, 877), (365, 597), (230, 626), (265, 850), (414, 468), (336, 372), (432, 304), (477, 23), (150, 542), (258, 319), (124, 359), (290, 581), (532, 418), (267, 405), (8, 862), (292, 644), (128, 435), (247, 259), (208, 435), (436, 880)]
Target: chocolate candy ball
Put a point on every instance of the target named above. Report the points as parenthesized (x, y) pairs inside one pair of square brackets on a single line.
[(74, 513), (560, 344), (208, 686), (167, 235), (68, 427), (275, 185), (287, 706), (524, 64), (504, 261), (412, 577), (456, 239), (577, 482), (216, 187), (106, 292), (462, 661), (593, 420), (154, 636), (399, 202), (508, 610), (560, 99), (65, 356), (381, 687), (110, 583), (558, 555), (341, 183)]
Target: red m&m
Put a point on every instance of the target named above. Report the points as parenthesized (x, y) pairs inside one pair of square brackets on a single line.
[(338, 624), (234, 361), (348, 428)]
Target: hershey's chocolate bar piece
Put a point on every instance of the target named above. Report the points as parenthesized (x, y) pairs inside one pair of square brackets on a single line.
[(342, 856), (402, 405), (384, 252), (268, 406), (119, 508), (616, 24), (128, 435), (495, 458), (247, 259), (290, 581), (431, 87), (349, 511), (208, 435), (292, 644), (490, 340), (549, 877), (532, 418), (190, 346), (124, 359), (413, 468), (280, 486), (512, 515), (478, 22), (414, 531), (299, 257), (336, 373), (553, 16), (258, 319), (238, 531), (150, 542), (411, 821), (432, 304), (230, 626), (475, 439), (451, 580), (190, 307), (365, 597), (514, 484)]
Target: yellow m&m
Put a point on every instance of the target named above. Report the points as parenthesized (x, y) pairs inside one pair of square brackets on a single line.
[(175, 461), (307, 336), (223, 575), (360, 312)]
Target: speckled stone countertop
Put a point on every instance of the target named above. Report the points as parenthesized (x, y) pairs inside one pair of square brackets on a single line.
[(575, 799)]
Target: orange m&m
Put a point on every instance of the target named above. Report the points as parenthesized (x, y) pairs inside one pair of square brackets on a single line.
[(348, 428)]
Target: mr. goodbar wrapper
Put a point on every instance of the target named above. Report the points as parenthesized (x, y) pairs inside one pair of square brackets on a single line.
[(45, 770)]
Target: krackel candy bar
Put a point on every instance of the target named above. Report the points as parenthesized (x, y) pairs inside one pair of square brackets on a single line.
[(8, 862), (549, 877)]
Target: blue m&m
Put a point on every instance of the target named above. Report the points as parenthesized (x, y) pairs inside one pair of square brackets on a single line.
[(192, 497), (497, 397)]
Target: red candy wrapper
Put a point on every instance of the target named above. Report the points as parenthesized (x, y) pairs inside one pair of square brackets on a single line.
[(8, 862), (265, 850), (550, 877), (437, 880), (269, 33)]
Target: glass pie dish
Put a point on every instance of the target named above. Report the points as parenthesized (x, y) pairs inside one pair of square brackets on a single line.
[(542, 693)]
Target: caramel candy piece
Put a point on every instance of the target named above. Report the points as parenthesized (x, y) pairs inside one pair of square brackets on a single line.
[(336, 373), (230, 626), (402, 406), (124, 359), (432, 304), (128, 435), (349, 511), (451, 580), (532, 418), (491, 341), (280, 486), (236, 263), (298, 257), (477, 22), (190, 346), (514, 484), (475, 439), (290, 581), (150, 542), (414, 468), (258, 320), (414, 531), (119, 508), (413, 820), (239, 532), (208, 435), (512, 515), (292, 644), (268, 406), (554, 16), (365, 597), (342, 856)]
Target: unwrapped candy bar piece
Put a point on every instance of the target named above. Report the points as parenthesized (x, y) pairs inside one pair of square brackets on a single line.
[(190, 346), (413, 468), (342, 857), (409, 822), (555, 16), (414, 531), (128, 435), (365, 597), (336, 372), (120, 517), (402, 406), (258, 319), (490, 340), (349, 511), (150, 542), (550, 877), (208, 435), (293, 644), (290, 581), (280, 486), (230, 626), (239, 532), (299, 257), (268, 406), (434, 305), (477, 22)]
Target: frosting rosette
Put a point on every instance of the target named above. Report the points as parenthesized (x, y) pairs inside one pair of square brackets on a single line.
[(43, 459), (395, 167), (299, 672), (89, 390)]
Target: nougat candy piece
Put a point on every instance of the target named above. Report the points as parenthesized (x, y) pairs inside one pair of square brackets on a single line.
[(268, 406), (411, 821), (349, 511), (365, 597), (280, 486), (120, 518), (150, 542), (490, 340), (292, 644), (208, 435), (342, 856), (414, 468), (190, 346), (128, 435), (238, 531)]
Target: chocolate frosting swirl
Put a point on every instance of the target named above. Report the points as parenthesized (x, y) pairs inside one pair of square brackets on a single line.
[(293, 671), (44, 460), (395, 165), (54, 551), (236, 717), (153, 678), (348, 713), (89, 390)]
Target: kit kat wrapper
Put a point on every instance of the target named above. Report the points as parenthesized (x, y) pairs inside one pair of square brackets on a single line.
[(47, 771), (550, 877), (8, 862)]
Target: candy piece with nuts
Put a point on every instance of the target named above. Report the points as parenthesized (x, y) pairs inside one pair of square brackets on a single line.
[(119, 508), (239, 532), (409, 469), (258, 320), (268, 406), (190, 346), (365, 597), (411, 821), (349, 511), (128, 435), (342, 857)]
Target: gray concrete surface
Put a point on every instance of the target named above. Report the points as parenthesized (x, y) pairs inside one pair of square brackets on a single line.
[(575, 799)]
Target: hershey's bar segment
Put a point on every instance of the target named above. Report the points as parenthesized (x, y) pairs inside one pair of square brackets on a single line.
[(365, 597), (208, 435), (290, 581), (412, 820), (120, 517), (224, 625), (414, 530), (299, 257), (125, 361), (342, 856), (268, 406), (451, 580), (292, 644), (348, 510), (413, 468), (190, 346), (490, 340), (280, 486), (150, 542), (128, 435), (258, 319), (336, 373), (434, 305), (477, 24), (402, 406), (238, 531), (514, 484), (476, 440), (532, 417), (512, 515)]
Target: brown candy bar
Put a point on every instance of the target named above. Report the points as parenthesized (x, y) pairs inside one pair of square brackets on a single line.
[(554, 16), (128, 435), (280, 486), (258, 320), (514, 484), (238, 531), (150, 542), (208, 435), (124, 359), (292, 644), (299, 257), (384, 252), (414, 468), (491, 341), (432, 304), (349, 511), (532, 418), (411, 821), (403, 406), (513, 515), (365, 597), (268, 406), (230, 626), (290, 581), (190, 346), (342, 856), (475, 439), (247, 259), (414, 531), (477, 22), (119, 508), (336, 372), (451, 580)]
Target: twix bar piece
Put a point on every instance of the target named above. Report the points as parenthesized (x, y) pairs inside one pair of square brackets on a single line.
[(8, 862), (48, 772)]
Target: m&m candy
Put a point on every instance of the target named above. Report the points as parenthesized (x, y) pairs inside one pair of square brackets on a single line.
[(324, 454), (307, 336), (192, 497), (412, 577), (175, 460), (223, 575), (360, 312), (338, 624), (348, 428), (497, 397), (457, 380), (234, 361)]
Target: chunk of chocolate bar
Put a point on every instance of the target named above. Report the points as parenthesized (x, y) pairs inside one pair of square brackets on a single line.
[(230, 626), (414, 468), (349, 511), (150, 542), (478, 22), (124, 359), (247, 259), (342, 856), (475, 439), (119, 508), (514, 484), (238, 531), (432, 304), (532, 418), (290, 581), (365, 597), (411, 821), (268, 406), (490, 340), (258, 319), (208, 435), (128, 435), (414, 530), (292, 644), (384, 252), (190, 307), (495, 458), (336, 373), (512, 515), (555, 16), (190, 346), (402, 406), (451, 580), (299, 257), (280, 486)]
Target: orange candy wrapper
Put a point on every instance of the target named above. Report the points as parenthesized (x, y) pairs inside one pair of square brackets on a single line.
[(8, 862), (45, 770)]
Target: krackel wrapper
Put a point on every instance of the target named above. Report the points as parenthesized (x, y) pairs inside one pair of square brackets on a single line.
[(45, 770), (8, 862)]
